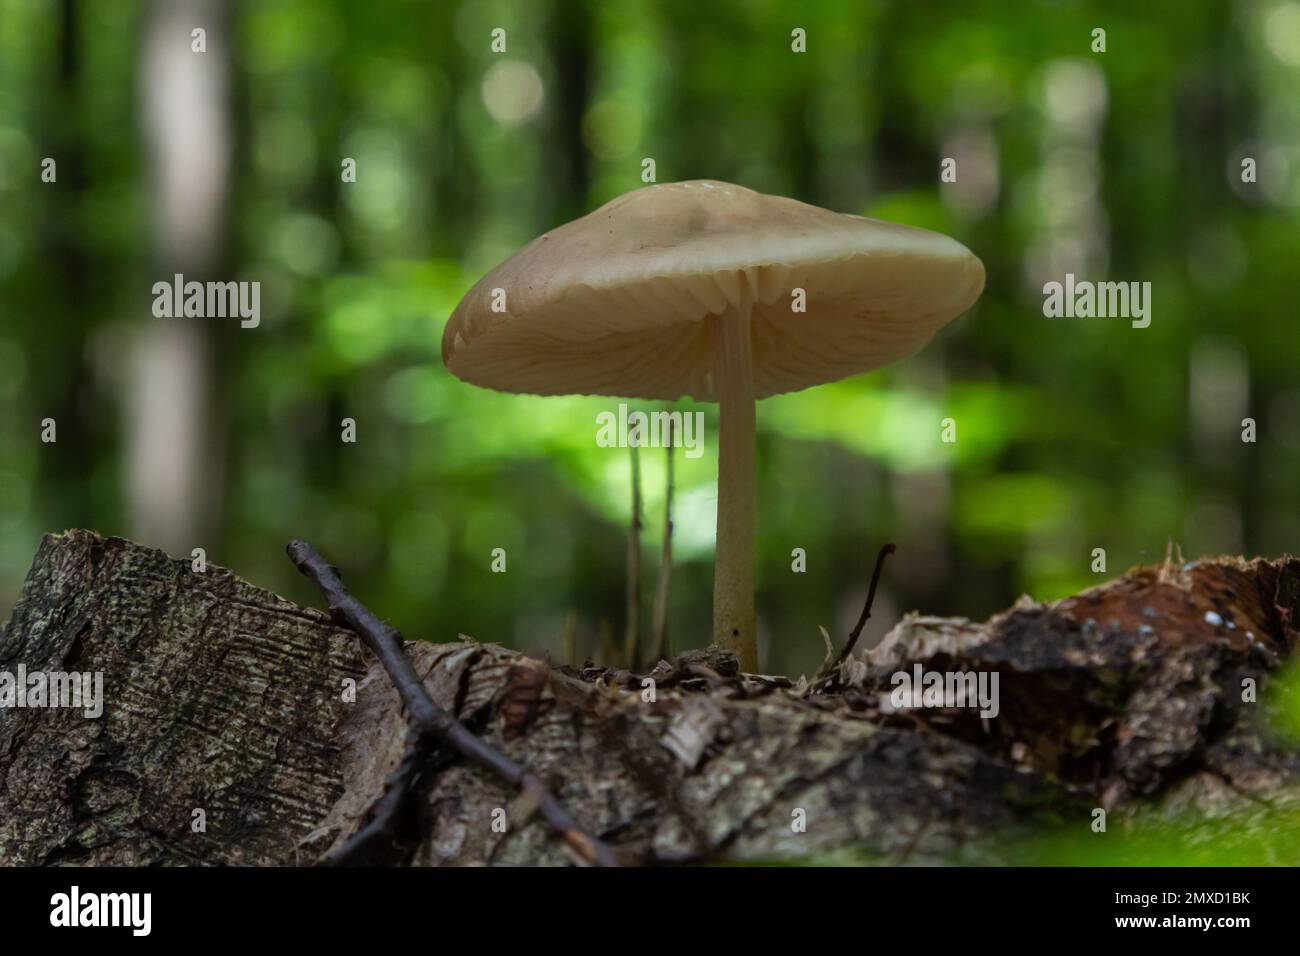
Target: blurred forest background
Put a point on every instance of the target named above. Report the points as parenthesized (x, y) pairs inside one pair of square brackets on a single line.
[(1073, 434)]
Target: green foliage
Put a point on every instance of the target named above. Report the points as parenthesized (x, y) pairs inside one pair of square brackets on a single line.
[(1246, 836), (1071, 434), (1284, 703)]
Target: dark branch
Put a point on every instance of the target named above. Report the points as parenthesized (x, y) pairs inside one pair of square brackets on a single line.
[(866, 608), (429, 725)]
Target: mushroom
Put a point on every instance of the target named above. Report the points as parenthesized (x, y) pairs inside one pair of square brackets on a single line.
[(694, 288)]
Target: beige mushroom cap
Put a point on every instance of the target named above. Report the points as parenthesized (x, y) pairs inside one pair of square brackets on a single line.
[(614, 303)]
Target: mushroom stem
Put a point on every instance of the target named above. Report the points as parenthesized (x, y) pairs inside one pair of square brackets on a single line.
[(733, 569), (631, 631)]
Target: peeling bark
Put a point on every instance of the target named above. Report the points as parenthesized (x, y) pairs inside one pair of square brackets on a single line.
[(223, 697)]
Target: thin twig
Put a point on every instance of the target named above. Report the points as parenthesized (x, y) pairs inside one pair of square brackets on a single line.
[(631, 635), (428, 725), (866, 608), (609, 652), (659, 624), (570, 641)]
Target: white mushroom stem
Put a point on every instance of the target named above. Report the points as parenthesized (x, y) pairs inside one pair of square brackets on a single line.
[(733, 568)]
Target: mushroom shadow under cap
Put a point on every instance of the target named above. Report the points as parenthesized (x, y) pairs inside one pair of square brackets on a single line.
[(614, 303)]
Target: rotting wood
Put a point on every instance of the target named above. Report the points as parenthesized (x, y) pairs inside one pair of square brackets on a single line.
[(223, 697)]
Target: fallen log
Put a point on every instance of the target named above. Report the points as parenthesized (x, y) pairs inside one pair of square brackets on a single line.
[(239, 728)]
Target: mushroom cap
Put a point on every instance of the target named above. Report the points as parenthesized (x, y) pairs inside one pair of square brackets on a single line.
[(615, 303)]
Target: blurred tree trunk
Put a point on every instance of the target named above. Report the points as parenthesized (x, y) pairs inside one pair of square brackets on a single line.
[(172, 461), (61, 367), (570, 50)]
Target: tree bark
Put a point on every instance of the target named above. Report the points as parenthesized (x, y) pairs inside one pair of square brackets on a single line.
[(224, 698)]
